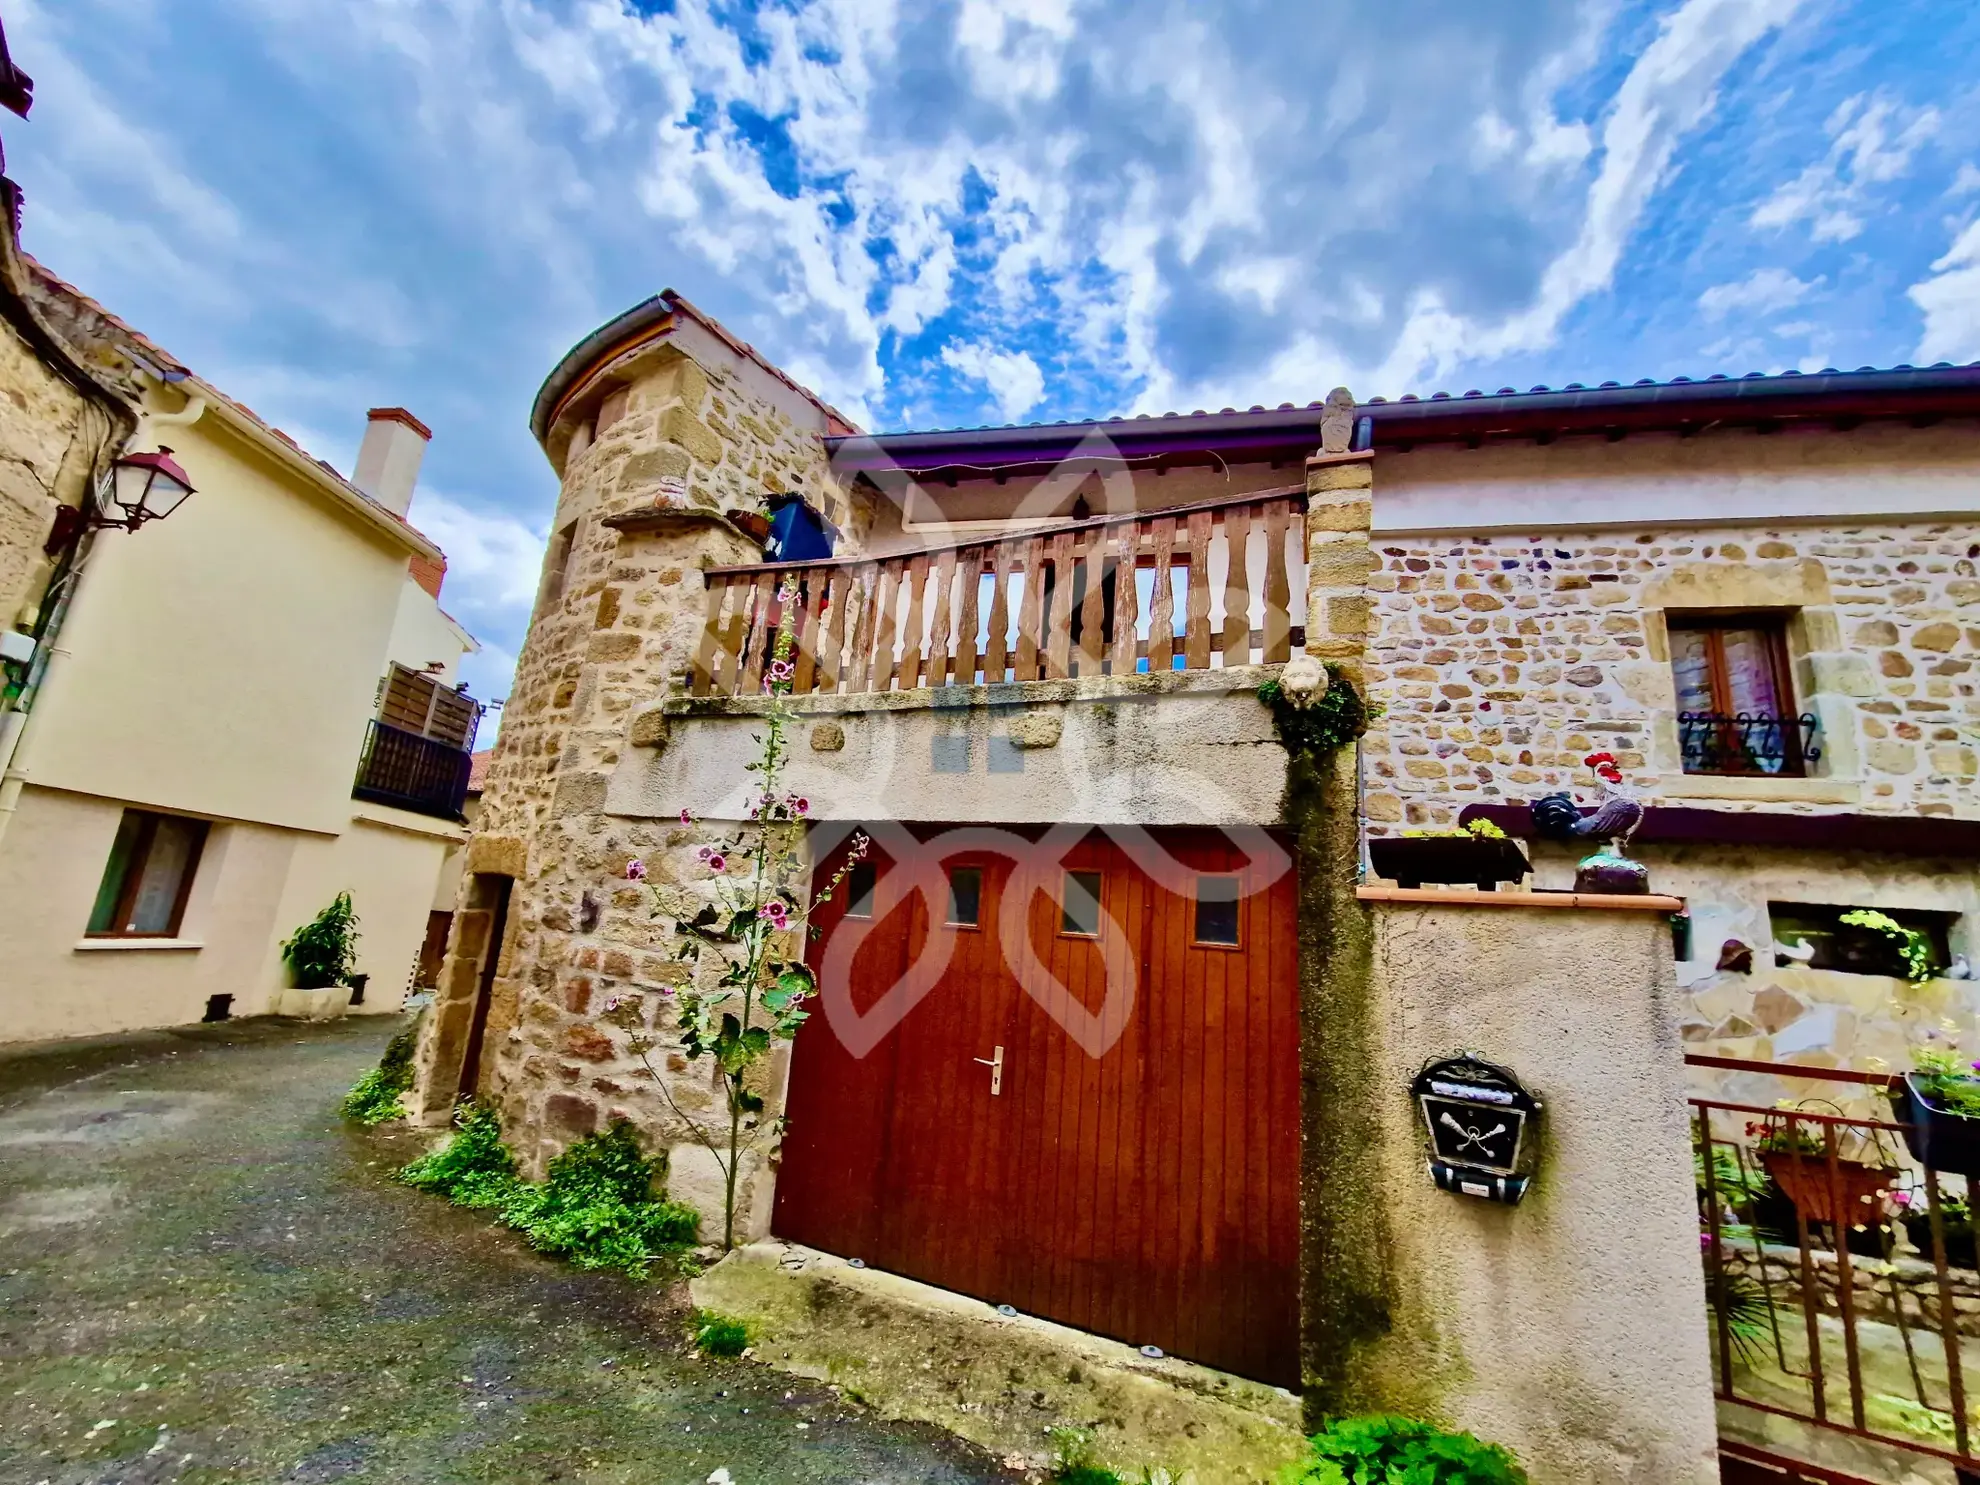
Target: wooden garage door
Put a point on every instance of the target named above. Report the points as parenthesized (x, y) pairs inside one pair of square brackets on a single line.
[(1148, 1193)]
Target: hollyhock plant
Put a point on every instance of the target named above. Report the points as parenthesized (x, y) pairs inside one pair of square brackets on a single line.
[(755, 996)]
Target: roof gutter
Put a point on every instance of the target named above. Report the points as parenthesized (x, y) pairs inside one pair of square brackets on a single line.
[(1682, 406), (1291, 433), (1236, 438), (643, 320)]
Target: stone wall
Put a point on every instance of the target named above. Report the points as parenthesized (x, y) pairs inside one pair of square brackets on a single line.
[(51, 436), (1504, 660), (653, 446), (1877, 1288)]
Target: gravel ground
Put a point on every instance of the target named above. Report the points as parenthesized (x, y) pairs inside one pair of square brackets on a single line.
[(205, 1275)]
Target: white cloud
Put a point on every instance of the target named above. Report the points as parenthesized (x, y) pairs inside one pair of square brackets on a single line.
[(1013, 378), (1765, 291), (1966, 182), (1671, 89), (1871, 142), (493, 559), (1950, 301)]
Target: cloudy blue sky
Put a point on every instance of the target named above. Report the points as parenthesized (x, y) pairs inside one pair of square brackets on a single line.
[(942, 212)]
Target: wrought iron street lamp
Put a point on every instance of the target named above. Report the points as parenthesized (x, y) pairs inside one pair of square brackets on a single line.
[(143, 487)]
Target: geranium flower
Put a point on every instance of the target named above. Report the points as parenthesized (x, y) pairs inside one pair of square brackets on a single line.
[(635, 870)]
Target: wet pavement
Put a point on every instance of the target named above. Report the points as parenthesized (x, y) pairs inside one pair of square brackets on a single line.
[(205, 1275)]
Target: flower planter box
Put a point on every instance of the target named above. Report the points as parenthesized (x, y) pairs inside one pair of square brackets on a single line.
[(1847, 1199), (326, 1004), (1413, 861), (1941, 1140)]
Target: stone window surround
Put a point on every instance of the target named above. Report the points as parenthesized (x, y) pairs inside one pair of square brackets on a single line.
[(1827, 676)]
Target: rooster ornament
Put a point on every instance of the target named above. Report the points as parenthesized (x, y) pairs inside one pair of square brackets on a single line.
[(1615, 819)]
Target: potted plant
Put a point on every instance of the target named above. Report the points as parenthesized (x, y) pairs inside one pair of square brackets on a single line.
[(1939, 1105), (322, 955), (1477, 854), (1843, 1194)]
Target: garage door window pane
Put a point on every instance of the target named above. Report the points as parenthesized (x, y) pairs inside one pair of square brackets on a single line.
[(859, 891), (1080, 904), (965, 896), (1217, 910)]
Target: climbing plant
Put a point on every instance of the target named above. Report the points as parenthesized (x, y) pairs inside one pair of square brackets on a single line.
[(1316, 709), (751, 936)]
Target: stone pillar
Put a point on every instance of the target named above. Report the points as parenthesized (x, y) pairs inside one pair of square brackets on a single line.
[(1343, 1222), (1339, 495), (1570, 1328)]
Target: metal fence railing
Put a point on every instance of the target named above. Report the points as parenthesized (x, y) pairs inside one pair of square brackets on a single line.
[(421, 774), (1840, 1272), (1747, 743)]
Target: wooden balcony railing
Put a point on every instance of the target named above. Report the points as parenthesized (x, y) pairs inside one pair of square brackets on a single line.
[(1217, 584)]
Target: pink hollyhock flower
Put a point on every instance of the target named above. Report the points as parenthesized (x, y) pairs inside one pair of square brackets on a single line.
[(780, 670), (716, 861), (800, 806), (635, 870), (706, 853), (686, 818)]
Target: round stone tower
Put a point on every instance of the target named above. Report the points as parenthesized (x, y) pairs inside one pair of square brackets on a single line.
[(656, 424)]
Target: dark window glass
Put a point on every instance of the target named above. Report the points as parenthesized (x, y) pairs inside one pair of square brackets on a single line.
[(1216, 910), (1736, 711), (1080, 904), (859, 890), (1814, 934), (150, 871), (965, 896)]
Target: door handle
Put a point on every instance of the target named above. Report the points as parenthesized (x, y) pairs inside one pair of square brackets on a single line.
[(996, 1066)]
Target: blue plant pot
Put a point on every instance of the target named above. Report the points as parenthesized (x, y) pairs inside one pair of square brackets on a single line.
[(1941, 1140)]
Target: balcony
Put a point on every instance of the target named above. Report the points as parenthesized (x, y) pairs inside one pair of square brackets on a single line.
[(1213, 585), (425, 775), (1747, 744)]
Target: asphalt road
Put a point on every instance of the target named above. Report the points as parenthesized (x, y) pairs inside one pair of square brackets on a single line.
[(206, 1276)]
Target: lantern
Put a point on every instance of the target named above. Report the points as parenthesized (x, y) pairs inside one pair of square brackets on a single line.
[(143, 487)]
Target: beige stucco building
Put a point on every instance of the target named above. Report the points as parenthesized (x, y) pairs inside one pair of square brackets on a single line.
[(178, 795)]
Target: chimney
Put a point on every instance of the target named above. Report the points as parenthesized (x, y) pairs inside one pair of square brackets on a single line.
[(388, 459)]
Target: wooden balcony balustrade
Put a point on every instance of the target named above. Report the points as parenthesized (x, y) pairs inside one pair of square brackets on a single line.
[(1217, 584)]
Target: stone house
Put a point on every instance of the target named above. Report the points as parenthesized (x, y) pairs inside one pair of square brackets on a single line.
[(1566, 573), (215, 723), (1110, 1036)]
